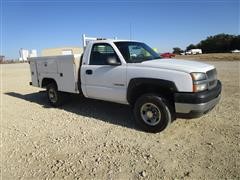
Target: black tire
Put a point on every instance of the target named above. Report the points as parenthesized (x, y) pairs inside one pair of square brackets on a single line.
[(58, 98), (153, 113)]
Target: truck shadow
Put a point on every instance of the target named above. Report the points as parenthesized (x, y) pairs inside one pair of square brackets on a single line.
[(105, 111)]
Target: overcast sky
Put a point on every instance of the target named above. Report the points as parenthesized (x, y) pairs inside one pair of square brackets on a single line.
[(162, 24)]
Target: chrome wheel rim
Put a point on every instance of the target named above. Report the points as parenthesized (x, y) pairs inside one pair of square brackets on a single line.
[(52, 94), (150, 114)]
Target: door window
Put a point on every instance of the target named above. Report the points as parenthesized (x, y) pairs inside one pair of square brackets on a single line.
[(100, 53)]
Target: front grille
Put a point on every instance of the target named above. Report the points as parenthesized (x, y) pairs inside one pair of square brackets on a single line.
[(212, 74), (212, 78)]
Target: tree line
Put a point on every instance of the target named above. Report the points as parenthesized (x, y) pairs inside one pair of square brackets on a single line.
[(220, 43)]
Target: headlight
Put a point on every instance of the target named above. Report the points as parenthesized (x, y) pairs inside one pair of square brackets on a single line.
[(199, 81), (196, 76), (199, 87)]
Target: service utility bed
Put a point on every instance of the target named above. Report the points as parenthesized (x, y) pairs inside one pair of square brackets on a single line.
[(64, 69)]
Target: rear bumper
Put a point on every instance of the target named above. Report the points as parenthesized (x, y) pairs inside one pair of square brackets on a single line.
[(191, 105)]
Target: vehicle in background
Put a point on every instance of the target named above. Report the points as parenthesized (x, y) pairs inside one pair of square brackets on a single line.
[(131, 73), (194, 52), (235, 51), (167, 55)]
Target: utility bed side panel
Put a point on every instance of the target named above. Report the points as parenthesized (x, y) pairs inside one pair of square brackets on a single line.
[(60, 68)]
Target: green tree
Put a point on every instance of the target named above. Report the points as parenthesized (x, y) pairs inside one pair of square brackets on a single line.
[(191, 46), (177, 50), (218, 44), (235, 44)]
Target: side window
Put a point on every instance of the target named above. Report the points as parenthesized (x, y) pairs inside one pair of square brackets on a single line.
[(100, 53)]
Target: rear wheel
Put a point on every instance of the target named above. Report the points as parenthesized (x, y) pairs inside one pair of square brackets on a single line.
[(152, 113), (55, 97)]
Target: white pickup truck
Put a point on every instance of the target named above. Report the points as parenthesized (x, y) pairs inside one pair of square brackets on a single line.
[(130, 72)]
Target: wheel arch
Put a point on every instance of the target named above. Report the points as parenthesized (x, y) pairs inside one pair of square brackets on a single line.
[(140, 86), (47, 81)]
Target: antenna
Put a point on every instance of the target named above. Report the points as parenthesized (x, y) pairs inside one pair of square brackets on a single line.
[(130, 31)]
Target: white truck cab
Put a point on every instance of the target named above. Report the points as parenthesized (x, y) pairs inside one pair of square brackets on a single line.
[(130, 72)]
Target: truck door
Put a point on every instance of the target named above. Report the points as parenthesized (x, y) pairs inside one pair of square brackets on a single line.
[(103, 81)]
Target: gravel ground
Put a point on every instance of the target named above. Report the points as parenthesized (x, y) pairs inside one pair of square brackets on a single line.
[(89, 139)]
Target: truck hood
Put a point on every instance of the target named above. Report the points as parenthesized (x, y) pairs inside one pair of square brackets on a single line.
[(178, 65)]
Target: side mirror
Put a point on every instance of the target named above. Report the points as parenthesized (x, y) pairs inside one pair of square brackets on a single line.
[(113, 61)]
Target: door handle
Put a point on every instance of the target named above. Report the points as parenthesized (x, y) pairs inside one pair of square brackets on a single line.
[(89, 71)]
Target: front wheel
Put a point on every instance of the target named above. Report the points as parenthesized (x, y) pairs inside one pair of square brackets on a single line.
[(152, 113)]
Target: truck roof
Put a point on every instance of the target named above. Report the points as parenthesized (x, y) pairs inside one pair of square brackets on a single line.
[(113, 40), (87, 40)]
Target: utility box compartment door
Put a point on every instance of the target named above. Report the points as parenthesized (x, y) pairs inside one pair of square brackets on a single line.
[(47, 66), (67, 69), (34, 73)]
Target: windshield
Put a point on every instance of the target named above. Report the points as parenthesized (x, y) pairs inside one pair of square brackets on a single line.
[(136, 52)]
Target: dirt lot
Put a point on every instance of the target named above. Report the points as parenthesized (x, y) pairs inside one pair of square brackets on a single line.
[(88, 139), (212, 57)]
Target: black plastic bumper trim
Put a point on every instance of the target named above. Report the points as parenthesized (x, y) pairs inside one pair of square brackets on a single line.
[(199, 97)]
